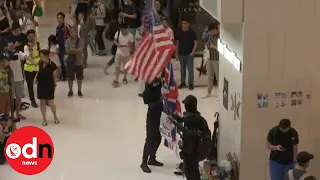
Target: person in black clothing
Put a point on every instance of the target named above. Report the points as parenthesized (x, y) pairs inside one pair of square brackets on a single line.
[(283, 143), (46, 79), (197, 142), (62, 34), (129, 15), (152, 97), (113, 28), (18, 37), (4, 28), (82, 7), (187, 44)]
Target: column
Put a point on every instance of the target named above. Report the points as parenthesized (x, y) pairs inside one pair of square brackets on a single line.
[(280, 55)]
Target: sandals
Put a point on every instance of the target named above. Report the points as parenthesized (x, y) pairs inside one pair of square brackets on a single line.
[(56, 121), (45, 123)]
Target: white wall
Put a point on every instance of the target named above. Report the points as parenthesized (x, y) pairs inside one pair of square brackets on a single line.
[(230, 129), (281, 54)]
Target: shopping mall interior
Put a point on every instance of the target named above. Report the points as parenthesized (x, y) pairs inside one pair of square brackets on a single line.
[(268, 71)]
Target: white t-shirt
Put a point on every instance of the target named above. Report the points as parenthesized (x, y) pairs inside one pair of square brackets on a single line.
[(100, 13), (29, 25), (16, 67), (124, 40), (53, 48)]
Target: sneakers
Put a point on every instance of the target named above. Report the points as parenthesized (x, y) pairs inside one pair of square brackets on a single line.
[(125, 81), (206, 96), (145, 168), (70, 94), (178, 171), (80, 94), (115, 83), (34, 104), (182, 85), (191, 87)]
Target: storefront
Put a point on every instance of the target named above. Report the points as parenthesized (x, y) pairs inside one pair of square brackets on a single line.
[(191, 10)]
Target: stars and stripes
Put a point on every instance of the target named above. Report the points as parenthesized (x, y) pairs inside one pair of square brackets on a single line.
[(152, 55)]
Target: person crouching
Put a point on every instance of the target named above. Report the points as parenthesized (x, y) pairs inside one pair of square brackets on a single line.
[(196, 141)]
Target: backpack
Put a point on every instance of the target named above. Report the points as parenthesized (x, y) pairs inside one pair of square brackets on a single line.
[(291, 177), (114, 46), (66, 30)]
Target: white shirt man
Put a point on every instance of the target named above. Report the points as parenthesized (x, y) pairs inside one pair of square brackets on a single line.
[(124, 42), (18, 79)]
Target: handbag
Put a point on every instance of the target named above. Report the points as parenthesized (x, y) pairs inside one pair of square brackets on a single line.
[(38, 11), (114, 46)]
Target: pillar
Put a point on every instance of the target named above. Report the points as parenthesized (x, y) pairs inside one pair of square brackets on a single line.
[(271, 51)]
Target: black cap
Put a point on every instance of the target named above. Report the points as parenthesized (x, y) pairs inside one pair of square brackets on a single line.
[(304, 157), (190, 100)]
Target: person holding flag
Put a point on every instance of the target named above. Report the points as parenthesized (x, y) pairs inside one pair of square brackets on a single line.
[(152, 97)]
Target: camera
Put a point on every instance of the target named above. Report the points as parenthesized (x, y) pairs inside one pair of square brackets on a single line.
[(11, 56)]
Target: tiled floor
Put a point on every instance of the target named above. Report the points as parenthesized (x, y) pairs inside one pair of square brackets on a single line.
[(100, 136)]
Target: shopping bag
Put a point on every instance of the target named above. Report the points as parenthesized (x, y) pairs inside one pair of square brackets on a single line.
[(38, 12)]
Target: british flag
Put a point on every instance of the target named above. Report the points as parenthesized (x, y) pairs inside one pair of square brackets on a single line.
[(172, 103)]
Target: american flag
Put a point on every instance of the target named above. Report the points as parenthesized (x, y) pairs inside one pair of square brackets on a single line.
[(172, 103), (153, 53)]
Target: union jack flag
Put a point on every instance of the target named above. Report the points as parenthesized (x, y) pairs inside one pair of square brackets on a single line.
[(172, 103)]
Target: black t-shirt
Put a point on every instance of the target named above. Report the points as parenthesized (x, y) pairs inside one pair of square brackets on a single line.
[(45, 75), (82, 8), (4, 24), (287, 140), (186, 41), (21, 38), (131, 10)]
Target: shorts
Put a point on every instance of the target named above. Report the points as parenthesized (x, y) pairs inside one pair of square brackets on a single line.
[(17, 89), (74, 72), (5, 104), (121, 60)]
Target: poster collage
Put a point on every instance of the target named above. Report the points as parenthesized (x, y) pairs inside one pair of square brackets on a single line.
[(282, 99)]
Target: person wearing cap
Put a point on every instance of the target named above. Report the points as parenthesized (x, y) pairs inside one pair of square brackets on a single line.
[(152, 97), (192, 120), (283, 143), (212, 65), (302, 164)]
